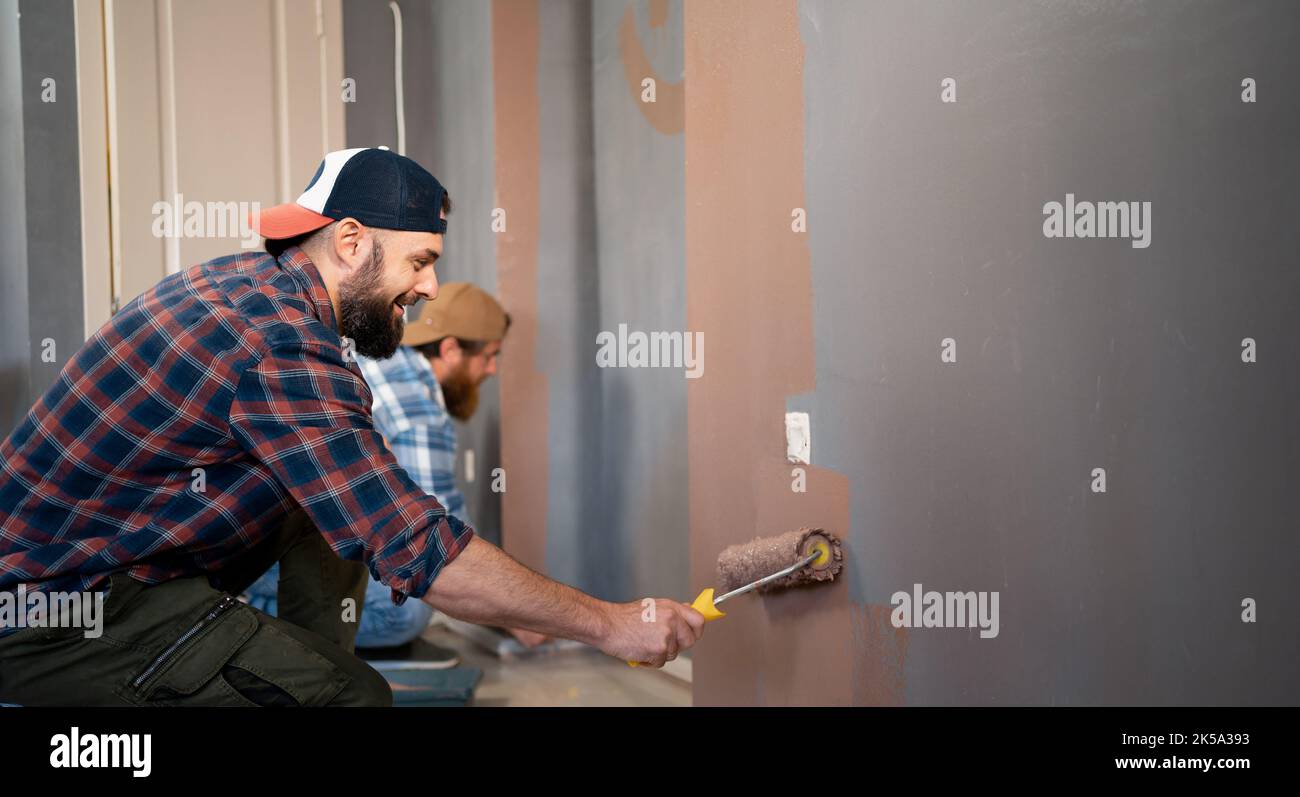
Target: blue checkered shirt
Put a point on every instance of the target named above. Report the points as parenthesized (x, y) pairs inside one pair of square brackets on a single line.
[(409, 412)]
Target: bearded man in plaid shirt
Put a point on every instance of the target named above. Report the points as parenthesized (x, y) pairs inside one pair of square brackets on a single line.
[(219, 423)]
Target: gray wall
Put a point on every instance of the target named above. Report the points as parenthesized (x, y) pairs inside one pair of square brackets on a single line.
[(463, 144), (40, 281), (15, 337), (610, 252), (568, 295), (639, 544), (925, 223)]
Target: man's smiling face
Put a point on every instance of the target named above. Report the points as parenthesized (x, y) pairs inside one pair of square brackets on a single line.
[(372, 301)]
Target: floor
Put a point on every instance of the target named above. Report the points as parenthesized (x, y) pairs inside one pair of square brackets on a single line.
[(583, 677)]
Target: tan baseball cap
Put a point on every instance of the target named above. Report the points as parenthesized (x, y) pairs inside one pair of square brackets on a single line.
[(462, 310)]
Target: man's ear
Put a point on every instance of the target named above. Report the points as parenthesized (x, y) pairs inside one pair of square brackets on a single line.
[(449, 350), (352, 242)]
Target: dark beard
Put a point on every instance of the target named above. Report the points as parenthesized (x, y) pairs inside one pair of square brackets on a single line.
[(365, 315), (460, 393)]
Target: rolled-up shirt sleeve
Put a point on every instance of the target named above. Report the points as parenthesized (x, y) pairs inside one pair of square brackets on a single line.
[(304, 415)]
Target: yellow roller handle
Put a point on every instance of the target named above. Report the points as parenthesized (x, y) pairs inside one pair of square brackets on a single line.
[(704, 605)]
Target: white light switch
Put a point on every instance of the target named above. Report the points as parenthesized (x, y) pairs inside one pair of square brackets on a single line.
[(469, 466), (798, 437)]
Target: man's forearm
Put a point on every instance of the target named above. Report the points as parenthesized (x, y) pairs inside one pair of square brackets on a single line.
[(486, 585)]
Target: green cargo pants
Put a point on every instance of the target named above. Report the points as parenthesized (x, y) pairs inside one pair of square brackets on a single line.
[(190, 642)]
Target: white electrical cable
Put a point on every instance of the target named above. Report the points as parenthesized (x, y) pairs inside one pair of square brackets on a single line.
[(397, 77)]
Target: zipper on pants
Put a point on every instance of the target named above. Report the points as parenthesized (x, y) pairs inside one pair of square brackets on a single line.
[(222, 606)]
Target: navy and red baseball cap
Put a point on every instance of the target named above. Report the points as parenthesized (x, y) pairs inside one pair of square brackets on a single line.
[(376, 187)]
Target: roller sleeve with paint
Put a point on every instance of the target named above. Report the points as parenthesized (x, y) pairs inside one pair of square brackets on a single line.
[(767, 564), (758, 559)]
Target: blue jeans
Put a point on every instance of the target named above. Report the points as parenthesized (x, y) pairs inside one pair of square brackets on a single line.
[(383, 625)]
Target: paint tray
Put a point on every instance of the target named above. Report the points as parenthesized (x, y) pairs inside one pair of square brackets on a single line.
[(419, 687)]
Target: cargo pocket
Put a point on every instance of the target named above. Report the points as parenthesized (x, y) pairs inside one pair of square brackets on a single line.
[(289, 666), (187, 671)]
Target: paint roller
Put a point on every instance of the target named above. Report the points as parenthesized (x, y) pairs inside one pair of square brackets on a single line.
[(768, 564)]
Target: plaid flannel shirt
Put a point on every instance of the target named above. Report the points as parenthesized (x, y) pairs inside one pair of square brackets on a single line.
[(183, 431), (411, 414)]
